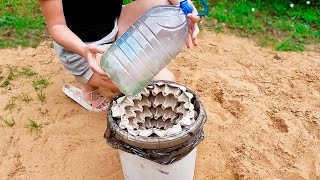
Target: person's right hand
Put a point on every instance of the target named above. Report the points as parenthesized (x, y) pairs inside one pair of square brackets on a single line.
[(193, 29), (93, 55)]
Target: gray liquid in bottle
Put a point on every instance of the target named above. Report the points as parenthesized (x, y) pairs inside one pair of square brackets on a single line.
[(145, 48)]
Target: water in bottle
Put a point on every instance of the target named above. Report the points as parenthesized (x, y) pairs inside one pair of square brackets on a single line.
[(146, 47)]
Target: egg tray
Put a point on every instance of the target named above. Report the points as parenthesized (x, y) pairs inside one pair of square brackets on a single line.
[(163, 115), (160, 110)]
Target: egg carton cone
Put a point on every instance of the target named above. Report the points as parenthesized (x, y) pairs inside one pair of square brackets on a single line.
[(161, 109)]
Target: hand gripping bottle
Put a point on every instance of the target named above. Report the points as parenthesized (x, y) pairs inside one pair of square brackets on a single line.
[(147, 47)]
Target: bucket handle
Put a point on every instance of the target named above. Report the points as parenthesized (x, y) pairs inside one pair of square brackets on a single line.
[(186, 8)]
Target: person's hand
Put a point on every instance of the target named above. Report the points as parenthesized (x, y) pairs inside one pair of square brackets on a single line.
[(93, 56), (193, 30)]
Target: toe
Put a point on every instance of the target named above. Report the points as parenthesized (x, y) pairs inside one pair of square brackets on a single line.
[(103, 104)]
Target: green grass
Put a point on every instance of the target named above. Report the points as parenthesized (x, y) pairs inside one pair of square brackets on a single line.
[(27, 72), (16, 72), (40, 83), (25, 97), (8, 122), (34, 126), (13, 73), (21, 23), (41, 96), (5, 83), (290, 45), (127, 1), (272, 23), (10, 105)]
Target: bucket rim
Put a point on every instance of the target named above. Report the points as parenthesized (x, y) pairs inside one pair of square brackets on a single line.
[(157, 142)]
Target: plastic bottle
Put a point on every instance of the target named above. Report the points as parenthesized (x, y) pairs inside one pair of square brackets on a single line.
[(147, 47)]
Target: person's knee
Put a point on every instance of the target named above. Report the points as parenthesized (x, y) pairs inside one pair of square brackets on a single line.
[(162, 2), (170, 76), (165, 74), (132, 11)]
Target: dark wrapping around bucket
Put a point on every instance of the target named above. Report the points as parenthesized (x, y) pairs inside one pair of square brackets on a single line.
[(165, 153), (161, 156)]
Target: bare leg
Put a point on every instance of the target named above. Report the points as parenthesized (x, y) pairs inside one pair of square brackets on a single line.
[(103, 82), (132, 11), (165, 74), (94, 83)]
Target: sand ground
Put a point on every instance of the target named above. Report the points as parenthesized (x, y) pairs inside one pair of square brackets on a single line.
[(263, 111)]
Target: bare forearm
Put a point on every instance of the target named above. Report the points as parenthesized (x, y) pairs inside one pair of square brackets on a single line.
[(56, 24), (193, 7), (66, 38), (174, 2)]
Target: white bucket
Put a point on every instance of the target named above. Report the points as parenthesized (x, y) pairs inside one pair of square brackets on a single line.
[(135, 167)]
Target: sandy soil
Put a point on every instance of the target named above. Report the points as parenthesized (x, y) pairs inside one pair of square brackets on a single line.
[(263, 110)]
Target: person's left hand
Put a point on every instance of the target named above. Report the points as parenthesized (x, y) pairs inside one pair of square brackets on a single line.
[(93, 55), (193, 30)]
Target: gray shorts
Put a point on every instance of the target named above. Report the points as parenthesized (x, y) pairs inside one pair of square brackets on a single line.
[(76, 64)]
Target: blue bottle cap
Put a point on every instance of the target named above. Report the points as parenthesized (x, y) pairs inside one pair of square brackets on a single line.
[(186, 8)]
